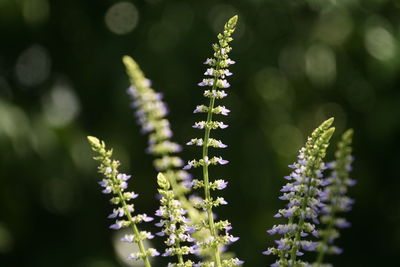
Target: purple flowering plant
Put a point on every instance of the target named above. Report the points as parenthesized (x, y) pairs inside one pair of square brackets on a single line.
[(187, 220)]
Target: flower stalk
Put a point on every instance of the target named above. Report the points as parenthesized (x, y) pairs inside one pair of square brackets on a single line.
[(218, 70), (174, 225), (151, 114), (303, 191), (336, 187), (115, 183)]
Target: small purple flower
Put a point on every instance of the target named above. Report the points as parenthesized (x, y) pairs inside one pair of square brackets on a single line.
[(160, 212), (221, 184), (209, 72), (233, 239), (206, 82), (221, 201), (147, 218), (282, 244), (336, 250), (154, 253), (268, 251), (117, 225), (225, 111), (130, 195), (221, 145), (128, 238), (222, 161), (210, 61), (195, 141), (288, 188), (309, 245), (224, 84), (107, 190), (200, 108), (222, 125), (230, 61), (188, 166), (199, 125), (123, 177), (167, 253), (226, 73)]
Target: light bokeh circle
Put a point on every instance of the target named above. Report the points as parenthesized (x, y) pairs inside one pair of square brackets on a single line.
[(121, 18)]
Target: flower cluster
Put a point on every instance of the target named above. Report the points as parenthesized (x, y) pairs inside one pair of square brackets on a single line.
[(115, 183), (174, 225), (303, 193), (336, 187), (216, 74)]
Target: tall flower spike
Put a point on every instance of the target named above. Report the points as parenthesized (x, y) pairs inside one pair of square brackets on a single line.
[(303, 191), (151, 113), (216, 74), (335, 198), (174, 225), (115, 183)]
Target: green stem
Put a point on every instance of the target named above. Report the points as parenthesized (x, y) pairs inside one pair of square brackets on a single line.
[(207, 184), (329, 228), (177, 244), (296, 240), (207, 194), (301, 220), (324, 243), (180, 257), (134, 229)]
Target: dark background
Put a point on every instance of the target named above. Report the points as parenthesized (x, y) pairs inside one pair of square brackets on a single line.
[(298, 62)]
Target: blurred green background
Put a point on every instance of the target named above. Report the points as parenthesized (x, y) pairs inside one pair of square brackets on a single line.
[(298, 62)]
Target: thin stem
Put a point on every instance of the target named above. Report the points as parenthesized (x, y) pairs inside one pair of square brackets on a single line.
[(296, 240), (180, 257), (301, 219), (177, 244), (324, 243), (329, 228), (207, 184), (134, 229)]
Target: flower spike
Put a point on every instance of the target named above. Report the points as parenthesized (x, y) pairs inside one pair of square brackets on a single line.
[(151, 113), (216, 78), (334, 196), (115, 183), (174, 225), (303, 191)]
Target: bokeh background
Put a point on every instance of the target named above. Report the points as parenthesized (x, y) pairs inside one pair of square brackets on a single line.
[(298, 63)]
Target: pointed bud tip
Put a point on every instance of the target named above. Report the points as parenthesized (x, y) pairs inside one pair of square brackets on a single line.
[(93, 140), (129, 62), (328, 122), (233, 20), (162, 181), (348, 134), (126, 59), (328, 133)]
